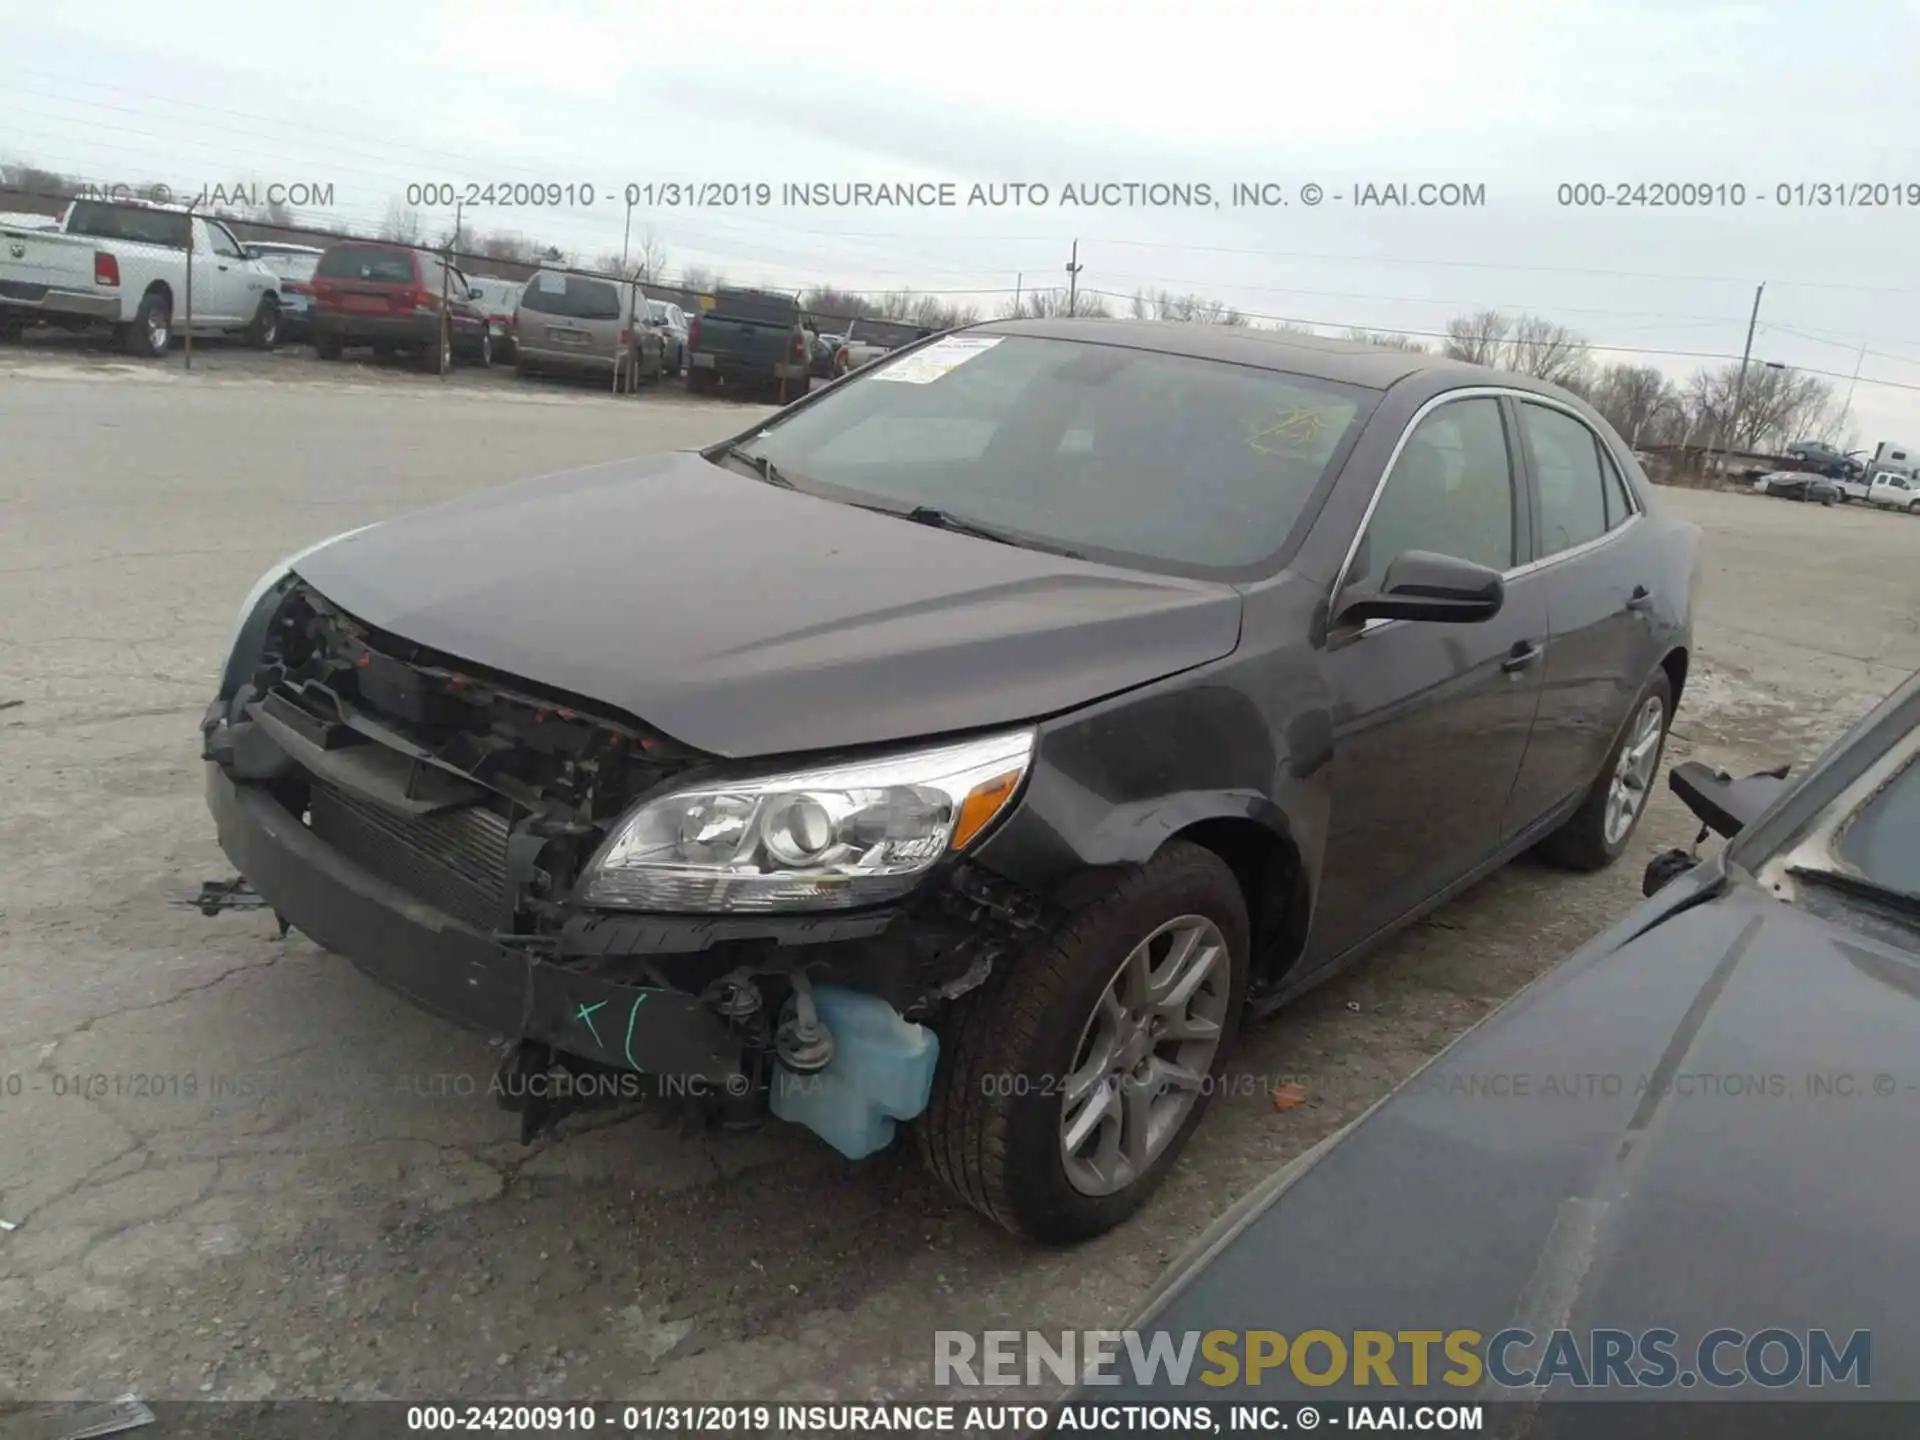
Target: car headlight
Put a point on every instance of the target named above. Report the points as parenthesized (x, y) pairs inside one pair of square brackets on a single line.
[(861, 833)]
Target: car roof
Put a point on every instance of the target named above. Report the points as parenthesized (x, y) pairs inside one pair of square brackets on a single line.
[(1347, 362)]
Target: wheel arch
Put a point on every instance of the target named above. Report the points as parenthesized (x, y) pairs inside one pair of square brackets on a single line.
[(1674, 662), (1273, 879)]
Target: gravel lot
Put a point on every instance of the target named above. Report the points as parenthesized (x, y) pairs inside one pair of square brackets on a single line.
[(293, 1185)]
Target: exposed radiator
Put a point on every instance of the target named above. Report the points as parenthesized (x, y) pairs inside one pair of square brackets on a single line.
[(456, 862)]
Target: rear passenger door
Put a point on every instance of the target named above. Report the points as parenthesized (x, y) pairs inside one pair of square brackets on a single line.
[(1599, 569)]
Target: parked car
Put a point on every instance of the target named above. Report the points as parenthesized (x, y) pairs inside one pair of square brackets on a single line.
[(294, 264), (1092, 683), (1652, 1138), (396, 298), (671, 321), (869, 340), (124, 265), (1823, 459), (499, 301), (829, 352), (750, 339), (1797, 485), (578, 324), (1894, 492)]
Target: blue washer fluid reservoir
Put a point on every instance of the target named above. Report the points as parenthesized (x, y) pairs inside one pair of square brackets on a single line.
[(881, 1073)]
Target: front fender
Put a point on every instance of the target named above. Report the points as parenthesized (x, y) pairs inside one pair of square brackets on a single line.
[(1112, 784)]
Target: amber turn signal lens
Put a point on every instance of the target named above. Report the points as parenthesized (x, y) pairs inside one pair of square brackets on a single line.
[(983, 802)]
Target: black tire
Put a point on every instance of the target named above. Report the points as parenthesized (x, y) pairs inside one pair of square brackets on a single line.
[(484, 359), (152, 329), (383, 349), (1827, 500), (699, 382), (992, 1129), (12, 332), (264, 332), (1581, 843), (327, 347)]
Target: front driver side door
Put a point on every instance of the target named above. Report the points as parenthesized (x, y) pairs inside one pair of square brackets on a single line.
[(1430, 720), (236, 284)]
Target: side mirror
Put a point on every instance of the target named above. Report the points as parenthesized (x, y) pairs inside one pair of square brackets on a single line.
[(1726, 806), (476, 293), (1420, 585)]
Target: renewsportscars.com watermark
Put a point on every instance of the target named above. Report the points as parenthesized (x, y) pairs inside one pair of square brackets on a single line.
[(1514, 1359)]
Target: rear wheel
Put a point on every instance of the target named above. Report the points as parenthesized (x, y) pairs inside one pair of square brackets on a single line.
[(1071, 1080), (436, 356), (11, 331), (700, 382), (486, 349), (152, 329), (1596, 834), (326, 346)]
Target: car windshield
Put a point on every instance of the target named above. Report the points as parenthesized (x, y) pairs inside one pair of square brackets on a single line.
[(367, 262), (291, 267), (574, 297), (133, 223), (1195, 466), (1882, 840)]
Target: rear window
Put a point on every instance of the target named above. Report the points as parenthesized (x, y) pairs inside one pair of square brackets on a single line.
[(756, 305), (127, 222), (291, 267), (367, 262), (576, 297), (1174, 463)]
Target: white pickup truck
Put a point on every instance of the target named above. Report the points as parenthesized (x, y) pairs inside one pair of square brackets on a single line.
[(125, 265), (1894, 491)]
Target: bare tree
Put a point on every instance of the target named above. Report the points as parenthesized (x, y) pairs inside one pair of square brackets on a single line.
[(840, 304), (1052, 304), (1548, 351), (401, 225), (1776, 406), (1478, 339), (504, 245), (700, 279), (649, 254), (1387, 340), (1639, 402), (277, 213)]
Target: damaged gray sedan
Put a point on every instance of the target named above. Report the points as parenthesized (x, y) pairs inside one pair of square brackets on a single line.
[(971, 744)]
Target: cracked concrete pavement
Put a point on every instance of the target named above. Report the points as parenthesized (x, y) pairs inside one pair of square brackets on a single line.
[(241, 1170)]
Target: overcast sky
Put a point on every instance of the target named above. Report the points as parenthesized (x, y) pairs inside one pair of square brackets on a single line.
[(370, 97)]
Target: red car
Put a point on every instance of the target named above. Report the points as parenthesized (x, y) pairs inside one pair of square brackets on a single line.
[(392, 298)]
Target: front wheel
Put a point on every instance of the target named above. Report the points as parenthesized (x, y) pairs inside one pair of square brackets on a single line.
[(1596, 834), (436, 356), (1070, 1081), (486, 349), (264, 332)]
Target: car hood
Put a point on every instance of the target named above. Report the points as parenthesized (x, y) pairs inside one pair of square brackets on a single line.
[(744, 619), (1707, 1124)]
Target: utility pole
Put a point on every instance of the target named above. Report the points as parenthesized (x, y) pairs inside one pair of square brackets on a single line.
[(1739, 385), (627, 234), (1074, 267), (1859, 360), (186, 330), (1017, 279)]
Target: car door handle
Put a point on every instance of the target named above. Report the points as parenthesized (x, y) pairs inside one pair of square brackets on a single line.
[(1640, 599), (1521, 656)]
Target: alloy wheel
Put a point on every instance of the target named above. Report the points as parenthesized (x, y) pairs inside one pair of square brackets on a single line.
[(1145, 1056), (1634, 772)]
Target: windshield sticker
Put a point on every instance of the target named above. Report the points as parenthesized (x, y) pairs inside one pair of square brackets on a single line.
[(923, 367), (1297, 426), (551, 283)]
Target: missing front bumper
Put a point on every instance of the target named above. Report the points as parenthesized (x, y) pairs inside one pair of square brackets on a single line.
[(459, 972)]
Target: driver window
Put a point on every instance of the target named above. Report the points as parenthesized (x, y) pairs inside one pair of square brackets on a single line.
[(223, 243), (1450, 492)]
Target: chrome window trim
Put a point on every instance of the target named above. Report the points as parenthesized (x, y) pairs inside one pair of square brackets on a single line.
[(1480, 392)]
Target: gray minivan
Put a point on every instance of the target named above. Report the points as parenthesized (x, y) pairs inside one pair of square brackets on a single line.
[(580, 323)]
